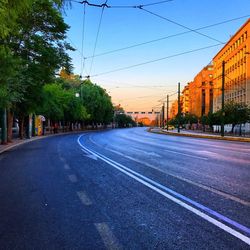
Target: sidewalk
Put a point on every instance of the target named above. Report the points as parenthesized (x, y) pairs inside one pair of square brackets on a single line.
[(198, 134), (17, 142)]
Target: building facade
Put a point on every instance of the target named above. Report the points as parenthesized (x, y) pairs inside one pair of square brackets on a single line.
[(200, 92), (173, 109), (185, 100), (236, 55)]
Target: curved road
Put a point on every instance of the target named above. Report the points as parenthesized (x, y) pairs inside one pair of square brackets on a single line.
[(125, 189)]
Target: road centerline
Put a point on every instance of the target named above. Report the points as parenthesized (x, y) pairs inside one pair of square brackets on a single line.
[(150, 183)]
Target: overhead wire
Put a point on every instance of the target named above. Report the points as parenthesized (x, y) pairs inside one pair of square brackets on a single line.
[(166, 37), (139, 6), (77, 49), (97, 36), (105, 5), (155, 60), (181, 25), (83, 36)]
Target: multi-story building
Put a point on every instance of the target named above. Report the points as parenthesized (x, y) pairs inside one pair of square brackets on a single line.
[(173, 109), (236, 55), (185, 100), (200, 92)]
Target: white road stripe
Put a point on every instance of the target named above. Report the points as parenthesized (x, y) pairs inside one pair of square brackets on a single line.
[(192, 156), (206, 217), (84, 198), (66, 166), (213, 190), (107, 236), (72, 178)]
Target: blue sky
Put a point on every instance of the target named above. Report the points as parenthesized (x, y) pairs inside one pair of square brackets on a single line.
[(140, 88)]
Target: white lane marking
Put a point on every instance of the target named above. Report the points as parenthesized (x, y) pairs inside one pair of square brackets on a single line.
[(223, 157), (66, 166), (61, 159), (167, 150), (87, 154), (72, 178), (188, 155), (107, 236), (84, 198), (134, 175), (145, 152), (213, 190)]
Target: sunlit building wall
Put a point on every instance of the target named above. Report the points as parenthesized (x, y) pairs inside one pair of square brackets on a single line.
[(185, 100), (173, 109), (200, 91), (236, 55)]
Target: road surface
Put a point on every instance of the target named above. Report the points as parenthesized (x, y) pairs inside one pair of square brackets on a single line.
[(125, 189)]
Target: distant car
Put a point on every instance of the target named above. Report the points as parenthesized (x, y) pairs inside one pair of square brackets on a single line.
[(170, 127)]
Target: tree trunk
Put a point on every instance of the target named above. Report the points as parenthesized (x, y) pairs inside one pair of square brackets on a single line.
[(240, 133), (3, 120), (232, 131), (10, 116), (21, 126)]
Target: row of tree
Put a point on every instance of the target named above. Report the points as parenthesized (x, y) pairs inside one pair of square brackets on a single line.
[(33, 49), (73, 101), (234, 114)]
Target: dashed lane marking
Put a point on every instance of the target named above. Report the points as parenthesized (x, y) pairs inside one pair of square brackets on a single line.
[(107, 236), (72, 178), (179, 199), (84, 198)]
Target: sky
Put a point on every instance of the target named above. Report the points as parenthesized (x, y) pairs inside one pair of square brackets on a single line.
[(177, 58)]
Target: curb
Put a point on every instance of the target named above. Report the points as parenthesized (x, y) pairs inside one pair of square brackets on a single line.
[(24, 141), (212, 137)]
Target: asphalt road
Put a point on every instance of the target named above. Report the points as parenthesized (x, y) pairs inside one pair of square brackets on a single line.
[(125, 189)]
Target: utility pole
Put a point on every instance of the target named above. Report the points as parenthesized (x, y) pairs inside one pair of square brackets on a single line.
[(223, 99), (163, 114), (179, 106), (167, 110)]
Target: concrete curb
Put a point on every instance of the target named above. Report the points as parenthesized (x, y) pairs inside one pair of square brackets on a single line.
[(212, 137), (24, 141)]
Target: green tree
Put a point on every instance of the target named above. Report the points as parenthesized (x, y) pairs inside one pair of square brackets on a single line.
[(97, 102), (59, 104), (124, 121), (39, 44), (236, 113)]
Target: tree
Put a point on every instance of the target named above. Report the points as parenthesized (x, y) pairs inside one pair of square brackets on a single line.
[(236, 113), (97, 102), (59, 104), (40, 47), (124, 120)]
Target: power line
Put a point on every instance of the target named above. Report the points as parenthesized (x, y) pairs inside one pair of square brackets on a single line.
[(155, 60), (83, 36), (181, 25), (77, 49), (97, 36), (166, 37), (104, 5)]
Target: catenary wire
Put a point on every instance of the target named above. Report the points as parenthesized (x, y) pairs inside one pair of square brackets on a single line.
[(78, 50), (166, 37), (97, 36), (83, 36), (181, 25), (105, 5), (155, 60)]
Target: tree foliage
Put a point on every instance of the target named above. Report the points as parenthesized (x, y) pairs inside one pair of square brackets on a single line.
[(97, 102), (61, 104), (124, 120)]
